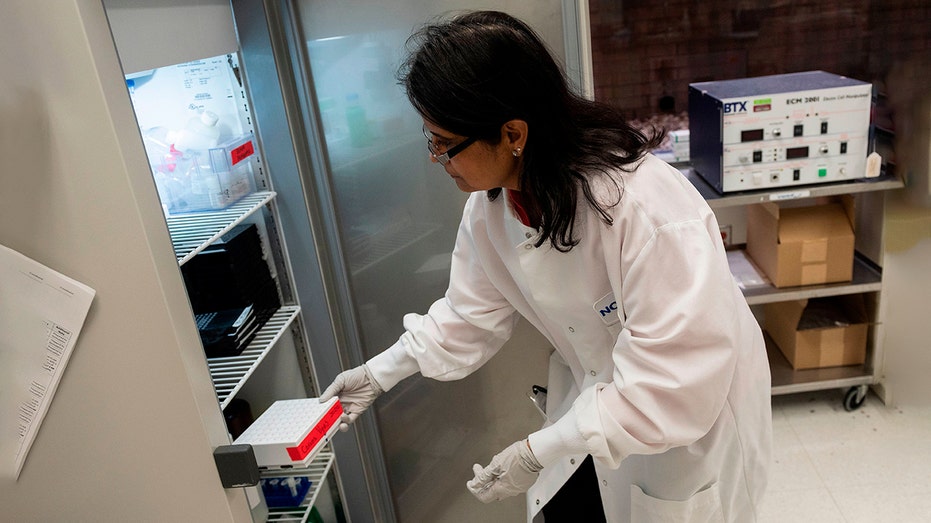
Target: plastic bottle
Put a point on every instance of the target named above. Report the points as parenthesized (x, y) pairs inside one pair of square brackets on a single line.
[(200, 133), (359, 133), (194, 141)]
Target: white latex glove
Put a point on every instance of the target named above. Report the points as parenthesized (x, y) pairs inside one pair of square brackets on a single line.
[(356, 390), (510, 473)]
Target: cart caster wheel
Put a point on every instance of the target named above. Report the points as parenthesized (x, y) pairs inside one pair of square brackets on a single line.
[(854, 398)]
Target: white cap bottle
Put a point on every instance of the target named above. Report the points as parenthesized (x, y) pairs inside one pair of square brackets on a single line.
[(200, 133)]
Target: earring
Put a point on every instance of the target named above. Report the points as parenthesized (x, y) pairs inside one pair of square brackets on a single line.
[(516, 152)]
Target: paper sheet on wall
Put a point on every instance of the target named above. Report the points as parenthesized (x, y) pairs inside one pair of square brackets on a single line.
[(41, 315)]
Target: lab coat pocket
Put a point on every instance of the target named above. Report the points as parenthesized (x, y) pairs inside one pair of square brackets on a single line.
[(703, 507)]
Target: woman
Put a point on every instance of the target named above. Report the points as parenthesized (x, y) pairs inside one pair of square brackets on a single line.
[(660, 372)]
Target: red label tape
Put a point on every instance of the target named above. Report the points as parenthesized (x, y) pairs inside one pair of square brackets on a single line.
[(316, 434), (241, 153)]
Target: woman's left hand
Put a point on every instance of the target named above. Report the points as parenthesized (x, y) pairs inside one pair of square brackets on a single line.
[(510, 473)]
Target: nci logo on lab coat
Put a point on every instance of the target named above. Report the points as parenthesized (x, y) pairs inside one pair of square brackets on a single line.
[(606, 307)]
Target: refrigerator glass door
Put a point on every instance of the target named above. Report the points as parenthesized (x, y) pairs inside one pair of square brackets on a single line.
[(398, 214)]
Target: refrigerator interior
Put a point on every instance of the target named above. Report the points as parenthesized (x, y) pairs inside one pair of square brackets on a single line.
[(196, 123)]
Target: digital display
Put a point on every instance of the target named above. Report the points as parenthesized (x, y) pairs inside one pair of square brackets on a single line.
[(753, 135), (796, 152)]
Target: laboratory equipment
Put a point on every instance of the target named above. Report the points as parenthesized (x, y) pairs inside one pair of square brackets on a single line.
[(780, 130)]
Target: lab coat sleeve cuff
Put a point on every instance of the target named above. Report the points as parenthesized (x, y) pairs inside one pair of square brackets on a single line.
[(560, 439), (391, 366)]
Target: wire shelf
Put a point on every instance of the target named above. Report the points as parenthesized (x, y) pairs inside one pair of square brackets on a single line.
[(376, 249), (192, 233), (230, 373), (316, 472)]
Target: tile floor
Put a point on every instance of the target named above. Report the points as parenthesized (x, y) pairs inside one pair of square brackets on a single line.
[(870, 465)]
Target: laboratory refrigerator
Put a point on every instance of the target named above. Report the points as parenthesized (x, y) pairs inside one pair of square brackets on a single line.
[(355, 223)]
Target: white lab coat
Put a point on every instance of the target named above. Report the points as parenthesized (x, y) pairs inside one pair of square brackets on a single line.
[(659, 366)]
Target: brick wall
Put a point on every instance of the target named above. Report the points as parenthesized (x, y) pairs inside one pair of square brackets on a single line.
[(646, 53)]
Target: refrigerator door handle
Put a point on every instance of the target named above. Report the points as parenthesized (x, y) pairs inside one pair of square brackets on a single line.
[(237, 466)]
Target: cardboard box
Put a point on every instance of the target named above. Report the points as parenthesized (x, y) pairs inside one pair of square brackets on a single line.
[(821, 332), (802, 245)]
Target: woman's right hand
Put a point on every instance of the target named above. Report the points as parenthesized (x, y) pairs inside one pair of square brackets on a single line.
[(356, 390)]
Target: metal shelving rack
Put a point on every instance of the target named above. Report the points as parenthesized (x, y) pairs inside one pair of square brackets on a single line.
[(717, 200), (231, 373), (388, 244), (867, 278), (191, 234), (316, 472)]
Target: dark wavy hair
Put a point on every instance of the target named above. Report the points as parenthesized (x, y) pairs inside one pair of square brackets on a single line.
[(476, 71)]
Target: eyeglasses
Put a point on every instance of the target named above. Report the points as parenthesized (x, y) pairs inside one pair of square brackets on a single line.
[(452, 151)]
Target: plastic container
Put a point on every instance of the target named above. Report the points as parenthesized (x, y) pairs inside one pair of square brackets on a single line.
[(232, 154), (195, 180), (285, 492), (218, 190)]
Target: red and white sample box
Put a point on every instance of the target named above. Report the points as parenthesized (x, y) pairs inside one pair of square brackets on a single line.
[(291, 432)]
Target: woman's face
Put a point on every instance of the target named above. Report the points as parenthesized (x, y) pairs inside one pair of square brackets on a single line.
[(479, 166)]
